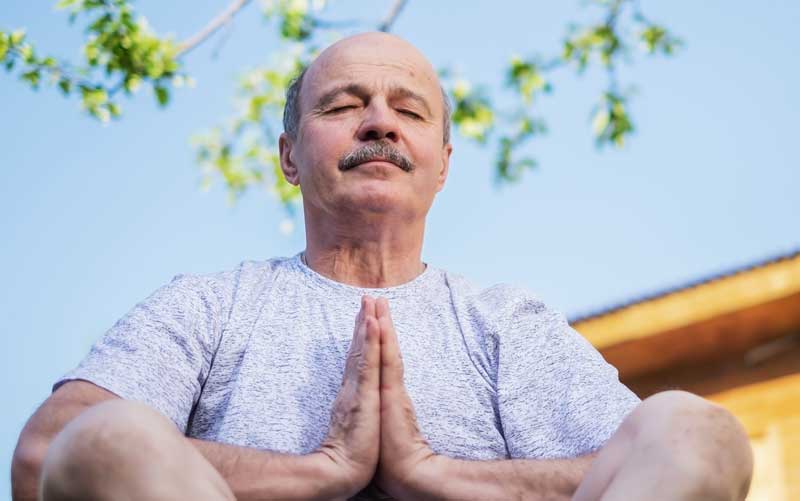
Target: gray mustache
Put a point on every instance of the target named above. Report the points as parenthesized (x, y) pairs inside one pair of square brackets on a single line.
[(379, 150)]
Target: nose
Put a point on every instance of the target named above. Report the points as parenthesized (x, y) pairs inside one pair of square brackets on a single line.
[(380, 122)]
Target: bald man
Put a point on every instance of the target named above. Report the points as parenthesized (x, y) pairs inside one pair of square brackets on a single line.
[(356, 369)]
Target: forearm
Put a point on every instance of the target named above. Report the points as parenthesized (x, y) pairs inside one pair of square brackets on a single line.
[(504, 479), (258, 474)]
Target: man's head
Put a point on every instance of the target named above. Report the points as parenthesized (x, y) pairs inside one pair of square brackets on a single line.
[(367, 129)]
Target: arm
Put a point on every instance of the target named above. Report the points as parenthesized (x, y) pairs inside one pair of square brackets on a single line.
[(409, 469), (503, 479), (344, 463), (258, 474), (251, 473), (346, 460)]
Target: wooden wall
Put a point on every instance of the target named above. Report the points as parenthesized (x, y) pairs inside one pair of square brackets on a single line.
[(770, 411)]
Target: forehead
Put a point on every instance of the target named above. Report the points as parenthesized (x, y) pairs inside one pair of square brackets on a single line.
[(379, 65)]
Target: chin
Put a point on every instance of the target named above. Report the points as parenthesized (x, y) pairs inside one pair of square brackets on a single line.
[(375, 199)]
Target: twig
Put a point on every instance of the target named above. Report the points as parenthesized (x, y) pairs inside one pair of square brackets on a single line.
[(63, 71), (345, 23), (113, 90), (390, 18), (613, 13), (638, 14), (224, 38), (551, 65), (211, 27)]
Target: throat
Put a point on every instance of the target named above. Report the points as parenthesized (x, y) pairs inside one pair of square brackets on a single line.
[(364, 270)]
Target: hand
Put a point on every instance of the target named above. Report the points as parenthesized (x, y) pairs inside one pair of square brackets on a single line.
[(352, 444), (407, 463)]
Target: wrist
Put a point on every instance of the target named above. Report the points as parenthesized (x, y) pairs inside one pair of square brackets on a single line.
[(433, 480), (329, 480), (444, 478)]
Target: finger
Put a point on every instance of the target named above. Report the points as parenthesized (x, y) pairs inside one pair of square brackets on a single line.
[(382, 310), (360, 314), (357, 340), (370, 373), (365, 308), (364, 354), (400, 432), (381, 307), (369, 306), (391, 359), (355, 354)]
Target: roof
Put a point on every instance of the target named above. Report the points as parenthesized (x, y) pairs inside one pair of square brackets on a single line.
[(684, 309), (607, 310)]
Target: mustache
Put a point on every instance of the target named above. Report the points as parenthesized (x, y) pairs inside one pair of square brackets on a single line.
[(378, 150)]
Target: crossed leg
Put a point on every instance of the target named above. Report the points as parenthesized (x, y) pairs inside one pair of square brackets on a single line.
[(125, 450), (673, 446)]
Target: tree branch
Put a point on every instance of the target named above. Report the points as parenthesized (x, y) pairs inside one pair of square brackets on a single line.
[(219, 21), (346, 23), (63, 71), (390, 18)]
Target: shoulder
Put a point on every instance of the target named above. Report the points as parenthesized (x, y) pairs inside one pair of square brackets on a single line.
[(245, 273), (497, 304), (513, 321), (220, 289)]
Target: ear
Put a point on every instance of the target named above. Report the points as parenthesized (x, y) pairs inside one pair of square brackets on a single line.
[(446, 151), (287, 164)]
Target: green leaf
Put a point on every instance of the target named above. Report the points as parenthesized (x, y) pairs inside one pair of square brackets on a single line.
[(17, 37), (92, 53), (65, 85), (600, 122), (94, 97), (162, 95), (115, 110), (27, 54), (65, 4), (32, 77), (132, 83)]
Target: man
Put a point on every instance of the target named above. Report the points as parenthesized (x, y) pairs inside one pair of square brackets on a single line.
[(240, 384)]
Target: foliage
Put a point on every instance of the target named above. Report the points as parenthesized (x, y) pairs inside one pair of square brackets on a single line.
[(122, 53)]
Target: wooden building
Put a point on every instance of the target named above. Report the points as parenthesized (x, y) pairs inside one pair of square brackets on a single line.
[(732, 338)]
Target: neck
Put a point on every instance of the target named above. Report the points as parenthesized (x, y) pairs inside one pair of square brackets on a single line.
[(368, 254)]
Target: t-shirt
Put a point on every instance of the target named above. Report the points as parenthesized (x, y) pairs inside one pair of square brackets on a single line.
[(254, 356)]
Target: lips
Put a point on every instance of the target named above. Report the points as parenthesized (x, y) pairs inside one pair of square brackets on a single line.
[(381, 160)]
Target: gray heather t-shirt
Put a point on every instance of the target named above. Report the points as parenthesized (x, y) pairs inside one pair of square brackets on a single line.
[(254, 356)]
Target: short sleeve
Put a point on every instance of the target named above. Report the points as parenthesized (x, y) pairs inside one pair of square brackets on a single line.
[(557, 396), (160, 352)]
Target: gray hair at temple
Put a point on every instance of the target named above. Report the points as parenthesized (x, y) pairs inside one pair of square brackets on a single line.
[(291, 110)]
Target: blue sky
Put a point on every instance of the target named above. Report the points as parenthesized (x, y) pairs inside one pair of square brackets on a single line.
[(95, 218)]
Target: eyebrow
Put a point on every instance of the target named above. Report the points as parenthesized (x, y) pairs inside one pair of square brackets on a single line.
[(361, 92)]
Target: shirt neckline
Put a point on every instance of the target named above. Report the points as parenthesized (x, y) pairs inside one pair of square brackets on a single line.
[(324, 283)]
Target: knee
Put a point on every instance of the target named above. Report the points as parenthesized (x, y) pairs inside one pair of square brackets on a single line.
[(114, 432), (701, 438), (112, 427)]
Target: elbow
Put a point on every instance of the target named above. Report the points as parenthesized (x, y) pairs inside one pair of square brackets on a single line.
[(26, 466)]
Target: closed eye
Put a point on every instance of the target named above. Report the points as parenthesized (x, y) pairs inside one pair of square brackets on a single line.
[(341, 108), (410, 114)]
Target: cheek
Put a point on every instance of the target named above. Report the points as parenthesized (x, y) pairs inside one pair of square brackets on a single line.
[(429, 161), (329, 142)]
